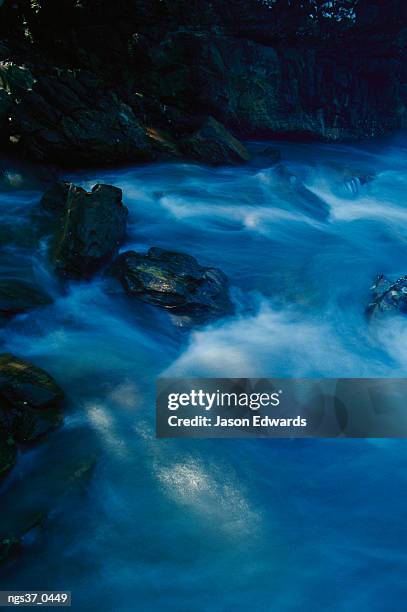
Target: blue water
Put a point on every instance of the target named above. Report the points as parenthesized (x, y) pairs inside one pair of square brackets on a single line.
[(225, 524)]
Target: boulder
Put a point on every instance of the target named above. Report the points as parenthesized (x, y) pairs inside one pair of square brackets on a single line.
[(213, 144), (175, 282), (388, 296), (17, 296), (93, 226), (30, 400)]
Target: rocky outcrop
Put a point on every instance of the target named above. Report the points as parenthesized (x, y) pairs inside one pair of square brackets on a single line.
[(69, 117), (137, 86), (175, 282), (17, 296), (388, 297), (30, 400), (213, 144), (92, 227)]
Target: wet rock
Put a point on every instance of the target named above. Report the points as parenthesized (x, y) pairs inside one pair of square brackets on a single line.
[(213, 144), (8, 453), (9, 547), (17, 296), (62, 468), (57, 116), (388, 296), (55, 198), (272, 154), (5, 105), (30, 400), (93, 228), (175, 282)]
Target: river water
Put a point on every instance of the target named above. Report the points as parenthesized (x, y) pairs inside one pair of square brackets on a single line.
[(224, 524)]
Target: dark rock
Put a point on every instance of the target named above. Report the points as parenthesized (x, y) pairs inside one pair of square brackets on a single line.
[(93, 227), (175, 282), (57, 116), (5, 105), (388, 296), (97, 77), (9, 547), (62, 468), (272, 154), (55, 198), (30, 400), (17, 296), (213, 144), (8, 453)]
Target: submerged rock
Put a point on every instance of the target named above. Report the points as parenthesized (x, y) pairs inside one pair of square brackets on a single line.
[(63, 468), (17, 296), (30, 400), (175, 282), (8, 453), (388, 296), (9, 547), (213, 144), (93, 225), (273, 155)]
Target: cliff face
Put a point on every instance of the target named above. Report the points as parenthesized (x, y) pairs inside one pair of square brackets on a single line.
[(105, 83)]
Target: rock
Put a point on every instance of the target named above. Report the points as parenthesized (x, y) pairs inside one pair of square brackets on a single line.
[(17, 296), (5, 105), (55, 198), (273, 155), (9, 547), (62, 468), (388, 296), (8, 453), (175, 282), (93, 227), (30, 400), (214, 145), (56, 116)]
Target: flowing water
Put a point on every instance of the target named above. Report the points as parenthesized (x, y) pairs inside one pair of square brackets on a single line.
[(224, 524)]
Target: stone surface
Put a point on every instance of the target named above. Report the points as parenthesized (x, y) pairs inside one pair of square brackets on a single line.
[(135, 85), (213, 144), (388, 296), (55, 198), (8, 453), (17, 296), (9, 547), (70, 117), (30, 400), (93, 225), (175, 282)]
